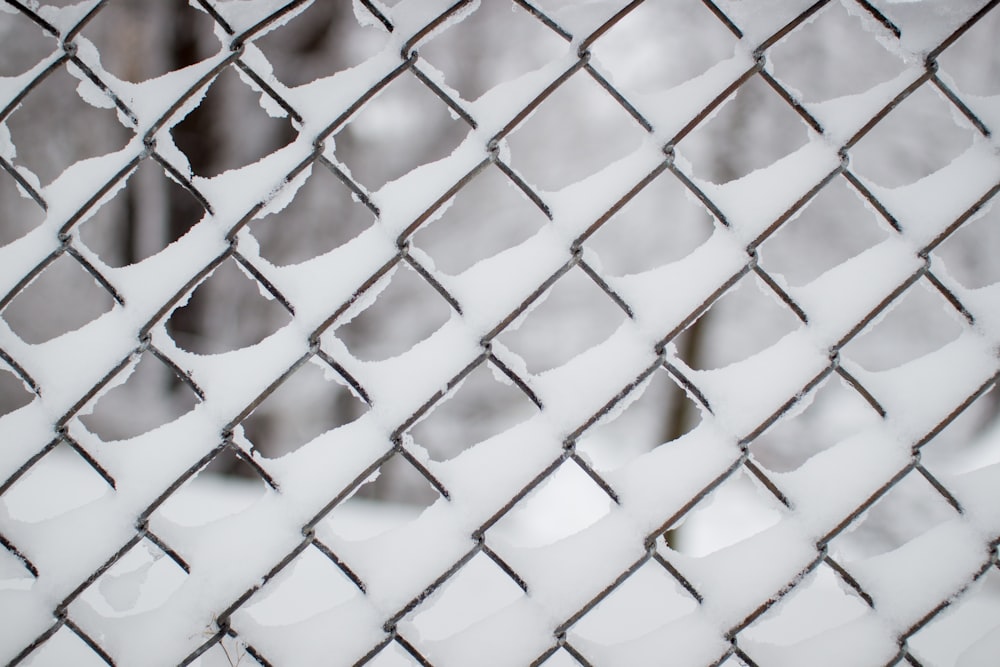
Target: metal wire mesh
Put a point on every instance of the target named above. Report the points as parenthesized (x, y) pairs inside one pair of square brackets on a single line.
[(69, 375)]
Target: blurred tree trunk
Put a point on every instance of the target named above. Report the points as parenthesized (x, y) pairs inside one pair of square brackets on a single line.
[(196, 135), (682, 414), (691, 344)]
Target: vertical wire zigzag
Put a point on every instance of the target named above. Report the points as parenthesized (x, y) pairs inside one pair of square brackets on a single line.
[(314, 151)]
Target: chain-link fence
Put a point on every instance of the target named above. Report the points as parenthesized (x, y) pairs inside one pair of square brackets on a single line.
[(495, 390)]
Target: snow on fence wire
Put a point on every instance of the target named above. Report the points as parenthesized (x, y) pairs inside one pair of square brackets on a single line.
[(115, 577)]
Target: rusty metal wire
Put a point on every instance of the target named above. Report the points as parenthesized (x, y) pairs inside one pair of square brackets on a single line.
[(663, 352)]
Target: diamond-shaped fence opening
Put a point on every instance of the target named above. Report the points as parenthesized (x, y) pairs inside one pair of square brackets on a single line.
[(63, 297), (489, 214), (151, 211), (516, 41), (504, 333), (324, 215), (551, 153), (213, 143), (50, 145)]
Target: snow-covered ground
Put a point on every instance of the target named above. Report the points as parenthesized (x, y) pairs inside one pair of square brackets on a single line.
[(819, 610)]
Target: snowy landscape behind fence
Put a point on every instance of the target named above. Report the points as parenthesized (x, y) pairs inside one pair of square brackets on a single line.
[(489, 332)]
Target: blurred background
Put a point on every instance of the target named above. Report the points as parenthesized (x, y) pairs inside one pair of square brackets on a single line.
[(574, 134)]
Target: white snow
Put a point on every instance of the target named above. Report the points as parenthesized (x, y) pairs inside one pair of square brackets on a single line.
[(567, 538)]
